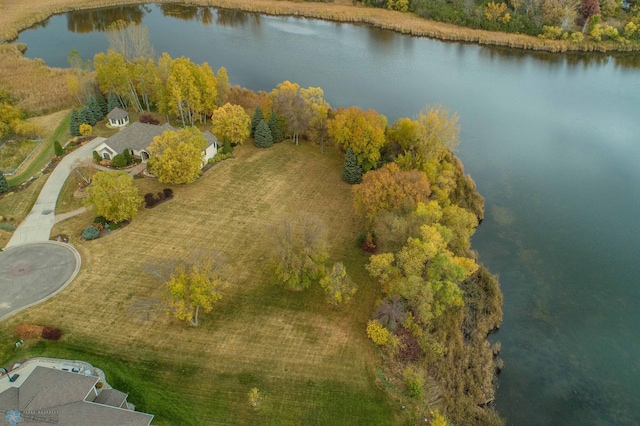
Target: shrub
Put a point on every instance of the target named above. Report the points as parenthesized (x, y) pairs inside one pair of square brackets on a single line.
[(7, 226), (148, 119), (57, 148), (115, 225), (127, 156), (414, 381), (377, 333), (100, 219), (96, 157), (51, 333), (90, 233), (119, 161), (168, 193), (149, 200), (28, 331), (226, 148), (551, 32), (86, 129), (4, 185), (160, 196)]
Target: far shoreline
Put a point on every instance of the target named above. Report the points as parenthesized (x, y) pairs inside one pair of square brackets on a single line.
[(19, 15)]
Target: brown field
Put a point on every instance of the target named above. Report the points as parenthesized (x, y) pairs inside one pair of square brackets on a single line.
[(37, 88), (16, 15), (282, 339)]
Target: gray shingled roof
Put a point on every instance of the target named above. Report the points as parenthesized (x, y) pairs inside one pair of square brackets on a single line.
[(111, 397), (117, 114), (211, 139), (137, 136), (59, 396)]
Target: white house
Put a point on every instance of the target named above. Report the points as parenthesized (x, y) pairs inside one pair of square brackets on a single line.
[(118, 117), (138, 137)]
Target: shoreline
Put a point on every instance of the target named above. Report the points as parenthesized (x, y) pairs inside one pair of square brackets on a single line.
[(16, 16)]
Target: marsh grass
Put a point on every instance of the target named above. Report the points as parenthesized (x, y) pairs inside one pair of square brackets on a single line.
[(17, 15), (312, 362), (14, 153)]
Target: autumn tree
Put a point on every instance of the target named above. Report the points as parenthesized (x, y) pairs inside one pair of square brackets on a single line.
[(112, 74), (113, 195), (299, 252), (362, 131), (232, 123), (84, 169), (12, 122), (433, 134), (223, 85), (289, 103), (560, 12), (588, 8), (194, 286), (351, 170), (176, 156), (262, 137), (389, 189), (80, 80), (338, 285)]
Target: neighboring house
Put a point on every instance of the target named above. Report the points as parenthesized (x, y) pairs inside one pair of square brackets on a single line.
[(44, 394), (138, 137), (118, 117)]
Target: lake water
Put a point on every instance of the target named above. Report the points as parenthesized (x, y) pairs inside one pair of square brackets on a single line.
[(553, 143)]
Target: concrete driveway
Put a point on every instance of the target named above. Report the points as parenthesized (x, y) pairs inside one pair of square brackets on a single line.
[(37, 225), (32, 273)]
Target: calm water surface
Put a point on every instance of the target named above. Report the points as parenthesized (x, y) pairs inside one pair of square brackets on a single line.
[(554, 145)]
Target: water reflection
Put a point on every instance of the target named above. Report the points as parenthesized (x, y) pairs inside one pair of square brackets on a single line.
[(86, 21), (237, 18), (203, 15)]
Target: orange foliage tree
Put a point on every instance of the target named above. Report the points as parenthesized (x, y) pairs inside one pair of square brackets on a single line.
[(389, 189)]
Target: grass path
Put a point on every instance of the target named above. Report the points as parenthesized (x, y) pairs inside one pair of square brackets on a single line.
[(313, 363)]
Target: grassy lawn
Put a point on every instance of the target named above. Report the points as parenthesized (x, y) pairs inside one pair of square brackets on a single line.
[(55, 127), (312, 363), (17, 205), (13, 154), (66, 201)]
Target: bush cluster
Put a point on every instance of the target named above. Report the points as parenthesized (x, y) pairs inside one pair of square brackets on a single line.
[(51, 333), (33, 331), (119, 161), (150, 200), (148, 119), (90, 233)]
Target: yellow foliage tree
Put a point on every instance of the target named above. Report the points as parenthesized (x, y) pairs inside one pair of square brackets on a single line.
[(176, 156), (493, 11), (193, 287), (113, 195), (362, 131), (337, 285), (231, 123)]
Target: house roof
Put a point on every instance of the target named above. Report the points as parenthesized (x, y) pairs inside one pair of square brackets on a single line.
[(61, 397), (137, 136), (117, 114), (211, 139), (111, 397)]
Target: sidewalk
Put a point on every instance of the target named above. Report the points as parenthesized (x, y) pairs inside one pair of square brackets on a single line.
[(37, 225)]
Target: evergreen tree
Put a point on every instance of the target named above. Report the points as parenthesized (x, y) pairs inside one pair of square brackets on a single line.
[(262, 137), (102, 102), (4, 185), (127, 155), (74, 123), (257, 117), (86, 116), (351, 172), (57, 148), (94, 108), (112, 102), (274, 126)]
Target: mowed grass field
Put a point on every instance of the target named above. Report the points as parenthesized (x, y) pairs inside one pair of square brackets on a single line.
[(312, 363)]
